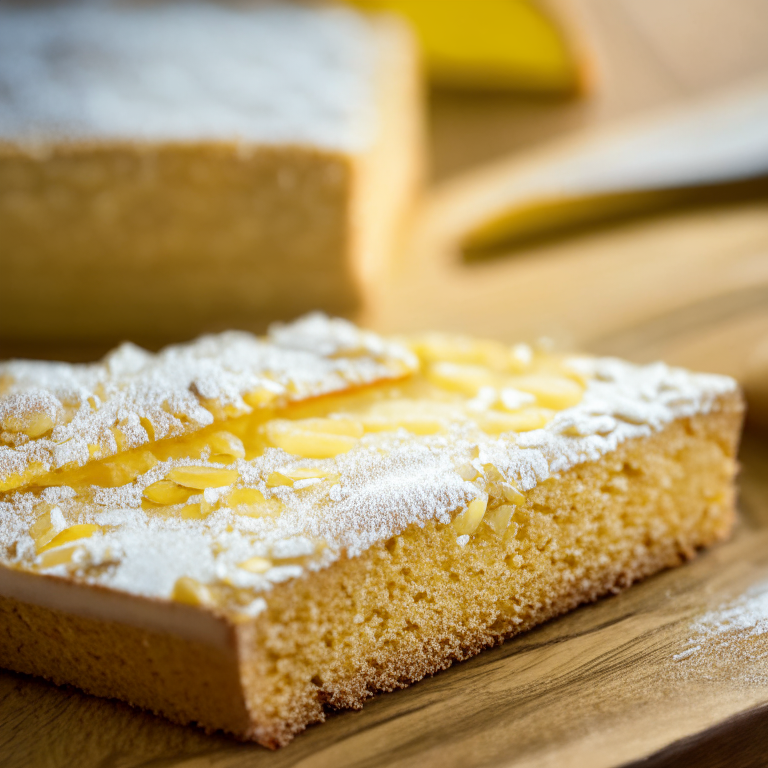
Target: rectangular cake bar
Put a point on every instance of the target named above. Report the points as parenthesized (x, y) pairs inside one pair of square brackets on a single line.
[(243, 533), (173, 168)]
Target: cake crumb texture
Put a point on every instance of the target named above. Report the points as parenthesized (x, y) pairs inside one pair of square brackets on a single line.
[(415, 604)]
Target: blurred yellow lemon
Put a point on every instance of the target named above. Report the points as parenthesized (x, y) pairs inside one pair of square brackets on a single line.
[(492, 44)]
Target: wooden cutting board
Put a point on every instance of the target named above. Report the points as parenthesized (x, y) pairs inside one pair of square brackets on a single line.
[(713, 148), (603, 686)]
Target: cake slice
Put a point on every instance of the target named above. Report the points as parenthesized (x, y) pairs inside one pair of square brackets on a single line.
[(173, 168), (242, 533)]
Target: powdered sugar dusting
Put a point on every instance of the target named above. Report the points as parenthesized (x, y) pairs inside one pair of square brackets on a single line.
[(730, 640), (622, 401), (387, 482), (746, 615), (133, 396), (276, 73)]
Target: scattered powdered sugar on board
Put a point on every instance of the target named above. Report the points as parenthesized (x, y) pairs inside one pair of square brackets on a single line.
[(730, 639), (747, 615)]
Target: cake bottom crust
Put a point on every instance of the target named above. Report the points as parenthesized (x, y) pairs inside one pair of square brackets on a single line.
[(413, 605)]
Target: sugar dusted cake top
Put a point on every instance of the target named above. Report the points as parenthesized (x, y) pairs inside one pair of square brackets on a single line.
[(269, 72), (230, 474), (55, 415)]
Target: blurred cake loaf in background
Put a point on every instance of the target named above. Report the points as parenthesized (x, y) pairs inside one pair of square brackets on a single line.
[(173, 168)]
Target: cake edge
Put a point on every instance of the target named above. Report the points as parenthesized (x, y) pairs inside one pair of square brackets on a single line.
[(228, 671)]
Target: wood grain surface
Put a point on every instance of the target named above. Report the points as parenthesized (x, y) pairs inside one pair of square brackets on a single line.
[(598, 687)]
